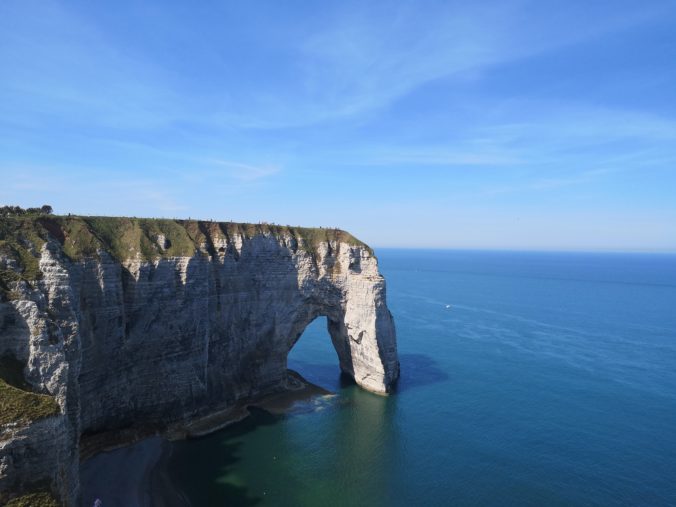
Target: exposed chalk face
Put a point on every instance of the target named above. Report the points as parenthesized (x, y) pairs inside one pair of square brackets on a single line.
[(152, 341)]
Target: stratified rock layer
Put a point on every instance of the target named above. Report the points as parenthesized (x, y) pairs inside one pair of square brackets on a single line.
[(135, 331)]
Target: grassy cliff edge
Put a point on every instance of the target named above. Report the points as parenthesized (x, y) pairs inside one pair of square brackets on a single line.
[(22, 237), (124, 237)]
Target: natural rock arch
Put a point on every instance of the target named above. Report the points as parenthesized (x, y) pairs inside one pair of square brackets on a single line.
[(354, 333), (124, 336)]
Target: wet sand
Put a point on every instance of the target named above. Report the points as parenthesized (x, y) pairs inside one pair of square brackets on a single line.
[(121, 477)]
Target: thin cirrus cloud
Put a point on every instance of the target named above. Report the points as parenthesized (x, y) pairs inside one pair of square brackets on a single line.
[(364, 59), (408, 108), (244, 172), (369, 57), (565, 134), (544, 184)]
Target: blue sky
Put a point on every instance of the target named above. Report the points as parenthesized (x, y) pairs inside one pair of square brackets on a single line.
[(510, 124)]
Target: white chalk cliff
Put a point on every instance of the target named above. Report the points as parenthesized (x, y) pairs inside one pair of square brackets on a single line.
[(130, 323)]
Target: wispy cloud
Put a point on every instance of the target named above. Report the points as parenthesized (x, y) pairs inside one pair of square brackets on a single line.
[(244, 172), (108, 192), (164, 109), (364, 58), (149, 193), (431, 156), (371, 57), (534, 137), (550, 183), (62, 67), (170, 192)]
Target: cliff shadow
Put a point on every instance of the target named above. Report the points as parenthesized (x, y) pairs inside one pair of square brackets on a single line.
[(11, 371), (204, 467), (14, 343), (325, 375), (15, 340), (418, 370), (155, 472)]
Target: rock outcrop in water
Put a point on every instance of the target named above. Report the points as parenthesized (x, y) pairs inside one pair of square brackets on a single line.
[(130, 322)]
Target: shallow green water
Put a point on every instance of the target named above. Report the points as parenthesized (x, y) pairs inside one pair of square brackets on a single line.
[(549, 380)]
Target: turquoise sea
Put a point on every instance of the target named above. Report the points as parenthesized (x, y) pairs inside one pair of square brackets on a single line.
[(536, 379)]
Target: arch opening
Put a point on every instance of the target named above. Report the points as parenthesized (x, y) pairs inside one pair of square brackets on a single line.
[(315, 357)]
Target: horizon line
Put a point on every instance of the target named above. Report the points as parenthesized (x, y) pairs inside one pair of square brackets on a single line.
[(527, 250)]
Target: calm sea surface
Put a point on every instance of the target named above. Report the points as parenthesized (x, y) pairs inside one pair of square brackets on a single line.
[(527, 379)]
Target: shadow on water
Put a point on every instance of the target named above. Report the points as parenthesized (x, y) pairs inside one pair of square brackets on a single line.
[(418, 370), (326, 375), (191, 465), (208, 470), (312, 371)]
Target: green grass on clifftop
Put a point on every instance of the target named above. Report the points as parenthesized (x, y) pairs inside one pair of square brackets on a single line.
[(34, 500), (17, 405), (21, 238)]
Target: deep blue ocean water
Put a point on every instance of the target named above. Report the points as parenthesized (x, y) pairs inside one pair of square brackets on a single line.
[(549, 380)]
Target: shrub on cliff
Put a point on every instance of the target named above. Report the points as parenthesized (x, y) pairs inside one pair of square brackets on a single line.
[(17, 211), (34, 500), (19, 406)]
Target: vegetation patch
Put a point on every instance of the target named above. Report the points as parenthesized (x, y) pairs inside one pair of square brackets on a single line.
[(23, 236), (312, 237), (179, 242), (20, 241), (17, 211), (77, 240), (34, 500), (19, 406), (308, 238)]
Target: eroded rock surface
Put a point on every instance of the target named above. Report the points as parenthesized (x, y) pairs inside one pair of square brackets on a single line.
[(155, 329)]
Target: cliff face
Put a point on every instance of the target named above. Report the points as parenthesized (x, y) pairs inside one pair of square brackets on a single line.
[(139, 322)]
